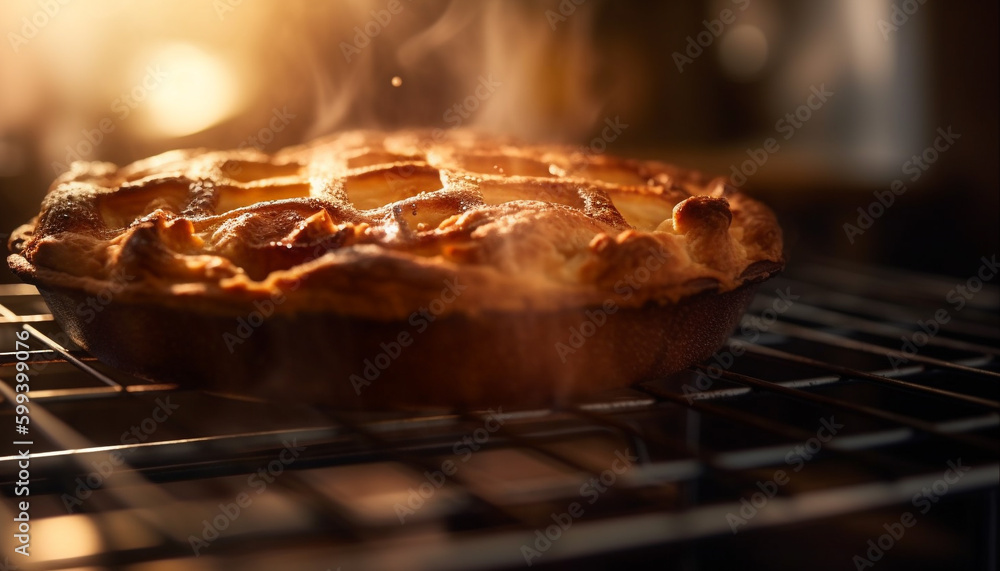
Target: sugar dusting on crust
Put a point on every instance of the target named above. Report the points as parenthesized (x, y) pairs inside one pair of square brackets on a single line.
[(372, 224)]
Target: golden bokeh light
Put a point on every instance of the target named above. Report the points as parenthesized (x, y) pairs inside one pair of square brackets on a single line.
[(743, 51), (198, 90)]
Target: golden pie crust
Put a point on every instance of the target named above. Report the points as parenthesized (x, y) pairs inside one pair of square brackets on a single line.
[(448, 236)]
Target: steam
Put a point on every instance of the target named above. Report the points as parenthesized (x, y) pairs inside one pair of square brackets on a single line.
[(549, 74), (335, 98), (508, 68)]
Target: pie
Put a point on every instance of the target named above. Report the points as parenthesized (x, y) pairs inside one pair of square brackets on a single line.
[(413, 268)]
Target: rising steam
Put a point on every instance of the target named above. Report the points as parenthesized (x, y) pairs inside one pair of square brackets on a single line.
[(503, 67)]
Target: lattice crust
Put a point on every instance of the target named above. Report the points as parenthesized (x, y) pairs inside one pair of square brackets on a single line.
[(375, 224)]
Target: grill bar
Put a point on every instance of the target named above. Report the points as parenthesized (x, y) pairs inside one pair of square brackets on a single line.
[(847, 372), (789, 433), (819, 315), (65, 354), (121, 497), (837, 341), (422, 464), (910, 422)]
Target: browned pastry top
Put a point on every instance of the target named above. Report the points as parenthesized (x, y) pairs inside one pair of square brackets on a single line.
[(378, 225)]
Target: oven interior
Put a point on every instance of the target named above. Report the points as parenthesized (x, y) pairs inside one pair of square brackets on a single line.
[(814, 431)]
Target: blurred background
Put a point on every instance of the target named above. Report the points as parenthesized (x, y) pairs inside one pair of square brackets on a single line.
[(815, 107)]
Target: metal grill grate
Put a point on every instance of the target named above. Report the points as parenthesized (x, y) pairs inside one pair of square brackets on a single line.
[(818, 385)]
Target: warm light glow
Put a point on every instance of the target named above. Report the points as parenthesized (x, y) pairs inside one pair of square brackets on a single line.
[(397, 81), (743, 51), (64, 537), (198, 92)]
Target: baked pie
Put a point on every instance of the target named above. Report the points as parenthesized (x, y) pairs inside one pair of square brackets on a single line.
[(414, 268)]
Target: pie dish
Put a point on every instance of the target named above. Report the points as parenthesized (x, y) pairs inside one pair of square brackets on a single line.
[(414, 268)]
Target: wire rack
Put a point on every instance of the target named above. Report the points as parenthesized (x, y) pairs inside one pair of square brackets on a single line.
[(849, 397)]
